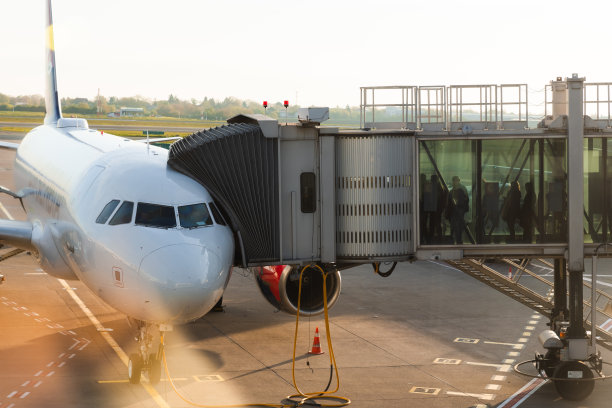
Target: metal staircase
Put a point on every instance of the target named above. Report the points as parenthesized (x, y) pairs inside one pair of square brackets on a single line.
[(538, 302)]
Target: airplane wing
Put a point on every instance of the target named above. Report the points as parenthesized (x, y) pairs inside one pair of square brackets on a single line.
[(8, 145), (16, 233)]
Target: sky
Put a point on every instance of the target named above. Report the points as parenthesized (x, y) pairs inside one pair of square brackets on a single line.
[(318, 52)]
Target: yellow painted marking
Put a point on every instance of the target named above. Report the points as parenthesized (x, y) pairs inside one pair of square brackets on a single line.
[(112, 343), (50, 44)]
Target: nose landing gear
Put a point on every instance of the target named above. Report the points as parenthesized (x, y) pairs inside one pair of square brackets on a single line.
[(146, 360)]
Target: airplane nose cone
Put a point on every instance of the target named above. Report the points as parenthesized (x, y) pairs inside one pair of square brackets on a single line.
[(185, 280)]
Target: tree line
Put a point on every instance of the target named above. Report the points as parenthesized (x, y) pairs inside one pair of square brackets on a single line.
[(204, 109)]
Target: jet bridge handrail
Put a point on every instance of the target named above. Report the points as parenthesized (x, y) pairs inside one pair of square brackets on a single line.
[(586, 304)]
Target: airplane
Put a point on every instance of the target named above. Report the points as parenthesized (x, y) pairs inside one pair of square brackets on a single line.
[(147, 240)]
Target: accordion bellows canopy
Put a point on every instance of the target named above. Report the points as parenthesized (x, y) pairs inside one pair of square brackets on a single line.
[(239, 167)]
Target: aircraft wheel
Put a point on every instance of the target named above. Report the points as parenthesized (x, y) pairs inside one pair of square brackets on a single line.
[(154, 369), (576, 390), (134, 368)]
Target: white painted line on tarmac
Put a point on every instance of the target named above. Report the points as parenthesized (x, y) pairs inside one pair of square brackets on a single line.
[(502, 344), (498, 378), (466, 340), (529, 328), (493, 387), (599, 282), (513, 354), (523, 340), (4, 210), (500, 367), (111, 342), (526, 334), (521, 395), (485, 397), (509, 361)]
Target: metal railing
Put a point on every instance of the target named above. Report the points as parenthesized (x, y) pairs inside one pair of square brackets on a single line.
[(444, 108), (597, 102)]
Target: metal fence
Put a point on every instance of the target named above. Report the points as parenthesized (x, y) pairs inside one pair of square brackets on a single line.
[(444, 108)]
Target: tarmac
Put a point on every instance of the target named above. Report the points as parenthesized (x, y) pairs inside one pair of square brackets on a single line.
[(427, 336)]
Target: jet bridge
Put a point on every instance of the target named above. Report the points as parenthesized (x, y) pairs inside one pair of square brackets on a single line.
[(459, 174), (301, 193)]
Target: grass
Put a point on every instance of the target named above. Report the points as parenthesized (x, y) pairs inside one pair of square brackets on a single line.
[(118, 123), (15, 129), (136, 133)]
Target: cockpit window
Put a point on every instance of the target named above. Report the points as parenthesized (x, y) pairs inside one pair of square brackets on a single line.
[(217, 214), (155, 215), (107, 211), (195, 215), (123, 214)]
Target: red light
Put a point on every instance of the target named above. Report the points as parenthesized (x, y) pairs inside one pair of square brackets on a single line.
[(286, 104), (265, 104)]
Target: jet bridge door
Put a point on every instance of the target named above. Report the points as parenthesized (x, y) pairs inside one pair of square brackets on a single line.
[(374, 179)]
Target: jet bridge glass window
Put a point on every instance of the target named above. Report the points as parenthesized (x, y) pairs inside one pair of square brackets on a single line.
[(155, 215), (107, 211), (495, 191), (123, 214), (194, 216)]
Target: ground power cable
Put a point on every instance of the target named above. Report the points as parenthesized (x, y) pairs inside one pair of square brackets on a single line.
[(301, 398)]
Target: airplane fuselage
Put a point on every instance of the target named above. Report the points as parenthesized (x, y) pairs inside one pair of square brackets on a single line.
[(91, 199)]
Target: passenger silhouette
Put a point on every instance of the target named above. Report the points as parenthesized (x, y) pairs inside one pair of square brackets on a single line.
[(433, 204), (457, 206), (512, 208), (528, 214)]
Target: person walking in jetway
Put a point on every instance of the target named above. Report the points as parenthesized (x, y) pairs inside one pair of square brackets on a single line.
[(434, 203), (458, 205), (511, 208), (528, 214)]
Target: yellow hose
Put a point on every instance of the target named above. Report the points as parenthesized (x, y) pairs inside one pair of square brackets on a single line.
[(327, 395)]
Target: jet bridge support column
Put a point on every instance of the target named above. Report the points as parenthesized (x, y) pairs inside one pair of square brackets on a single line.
[(560, 312), (575, 148)]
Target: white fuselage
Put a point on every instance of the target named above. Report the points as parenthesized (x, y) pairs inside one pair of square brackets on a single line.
[(162, 275)]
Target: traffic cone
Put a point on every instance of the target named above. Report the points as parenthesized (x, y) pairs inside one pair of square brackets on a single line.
[(316, 344)]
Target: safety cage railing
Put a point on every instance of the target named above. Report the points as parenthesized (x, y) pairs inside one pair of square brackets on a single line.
[(437, 108)]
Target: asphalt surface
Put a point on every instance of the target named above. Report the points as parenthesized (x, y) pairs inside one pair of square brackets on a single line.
[(427, 336)]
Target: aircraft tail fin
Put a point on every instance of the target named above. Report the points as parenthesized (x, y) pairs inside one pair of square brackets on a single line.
[(52, 102)]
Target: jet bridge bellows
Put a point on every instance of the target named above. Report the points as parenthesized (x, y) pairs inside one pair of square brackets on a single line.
[(238, 166)]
